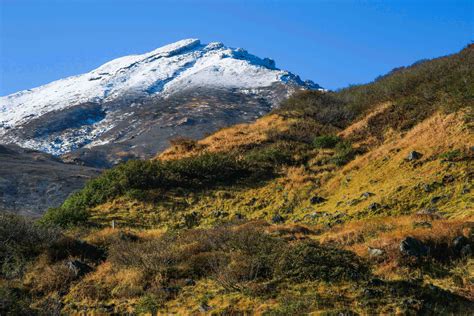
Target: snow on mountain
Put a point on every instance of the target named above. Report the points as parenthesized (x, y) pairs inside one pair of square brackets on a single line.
[(164, 71)]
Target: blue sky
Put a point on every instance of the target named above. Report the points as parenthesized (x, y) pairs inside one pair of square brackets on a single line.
[(334, 43)]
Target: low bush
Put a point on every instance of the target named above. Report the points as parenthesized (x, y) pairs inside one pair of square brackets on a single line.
[(65, 216), (21, 240), (326, 141), (343, 153), (134, 177), (272, 156), (309, 260)]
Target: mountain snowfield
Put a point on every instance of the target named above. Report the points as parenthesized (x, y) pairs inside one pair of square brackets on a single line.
[(171, 68)]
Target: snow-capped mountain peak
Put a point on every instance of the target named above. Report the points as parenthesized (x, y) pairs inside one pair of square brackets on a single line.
[(171, 68), (175, 68)]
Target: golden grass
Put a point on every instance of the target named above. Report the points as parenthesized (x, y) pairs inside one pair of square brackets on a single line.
[(234, 137), (384, 171)]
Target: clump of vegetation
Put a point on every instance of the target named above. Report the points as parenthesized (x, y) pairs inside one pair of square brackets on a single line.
[(311, 261), (136, 176), (271, 157), (343, 153), (326, 141), (21, 240)]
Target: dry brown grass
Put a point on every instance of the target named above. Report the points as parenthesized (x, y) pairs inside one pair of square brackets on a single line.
[(359, 131), (231, 138), (108, 282), (45, 278)]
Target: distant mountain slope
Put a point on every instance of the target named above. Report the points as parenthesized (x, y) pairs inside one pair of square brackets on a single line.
[(123, 98), (32, 181)]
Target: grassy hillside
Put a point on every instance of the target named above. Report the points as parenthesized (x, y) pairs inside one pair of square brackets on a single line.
[(307, 209)]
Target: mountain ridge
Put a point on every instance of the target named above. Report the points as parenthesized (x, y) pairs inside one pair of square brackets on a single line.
[(174, 68)]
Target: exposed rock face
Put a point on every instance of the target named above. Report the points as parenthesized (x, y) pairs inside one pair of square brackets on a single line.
[(31, 181), (145, 129)]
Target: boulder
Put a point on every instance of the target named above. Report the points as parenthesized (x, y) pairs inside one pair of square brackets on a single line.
[(317, 200), (466, 251), (414, 155), (428, 188), (435, 199), (189, 282), (277, 219), (413, 247), (374, 206), (375, 252), (366, 195)]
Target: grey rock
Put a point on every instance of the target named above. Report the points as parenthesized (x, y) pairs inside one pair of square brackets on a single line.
[(317, 200), (459, 243), (375, 252), (466, 251), (189, 282), (366, 195), (277, 219), (414, 155), (427, 188), (374, 206), (435, 199)]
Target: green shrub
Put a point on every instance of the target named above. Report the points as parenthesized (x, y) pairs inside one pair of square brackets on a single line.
[(14, 301), (65, 216), (311, 261), (343, 153), (326, 141), (272, 156), (204, 170), (134, 177), (21, 240)]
